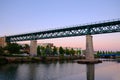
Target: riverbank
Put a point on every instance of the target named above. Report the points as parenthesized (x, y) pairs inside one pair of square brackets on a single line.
[(4, 60)]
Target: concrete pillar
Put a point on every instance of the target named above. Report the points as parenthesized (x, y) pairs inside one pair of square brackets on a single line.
[(33, 47), (3, 42), (89, 48)]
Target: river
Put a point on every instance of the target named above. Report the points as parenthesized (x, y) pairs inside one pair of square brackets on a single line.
[(108, 70)]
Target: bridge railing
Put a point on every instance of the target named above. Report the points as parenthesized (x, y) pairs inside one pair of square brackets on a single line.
[(107, 26)]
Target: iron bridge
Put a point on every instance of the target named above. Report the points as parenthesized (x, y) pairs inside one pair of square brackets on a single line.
[(79, 30)]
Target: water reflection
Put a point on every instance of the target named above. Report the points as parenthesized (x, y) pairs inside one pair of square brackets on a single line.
[(7, 71), (26, 72), (90, 71), (60, 71)]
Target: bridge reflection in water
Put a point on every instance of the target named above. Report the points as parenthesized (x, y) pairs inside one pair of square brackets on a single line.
[(90, 71), (60, 71)]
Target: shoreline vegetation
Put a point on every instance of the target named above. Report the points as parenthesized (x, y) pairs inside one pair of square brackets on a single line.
[(30, 59), (16, 53), (37, 59)]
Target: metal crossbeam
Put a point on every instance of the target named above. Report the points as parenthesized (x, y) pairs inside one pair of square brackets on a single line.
[(90, 29)]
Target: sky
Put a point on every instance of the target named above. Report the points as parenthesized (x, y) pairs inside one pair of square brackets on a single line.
[(25, 16)]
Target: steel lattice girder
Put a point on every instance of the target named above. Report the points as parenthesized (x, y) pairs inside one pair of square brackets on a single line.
[(91, 29)]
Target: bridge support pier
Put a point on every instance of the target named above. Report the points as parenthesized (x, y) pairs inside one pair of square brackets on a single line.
[(89, 55), (3, 42), (89, 48), (33, 47)]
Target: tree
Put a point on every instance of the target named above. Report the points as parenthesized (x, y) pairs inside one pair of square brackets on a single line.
[(42, 51), (98, 53), (67, 51), (61, 51), (106, 52), (13, 48), (72, 51), (55, 51), (103, 52), (26, 48), (78, 52), (38, 51), (118, 52), (48, 50), (1, 50)]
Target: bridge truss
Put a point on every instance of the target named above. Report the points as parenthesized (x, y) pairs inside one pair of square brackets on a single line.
[(89, 29)]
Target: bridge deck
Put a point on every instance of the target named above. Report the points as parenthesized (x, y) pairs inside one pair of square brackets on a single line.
[(90, 29)]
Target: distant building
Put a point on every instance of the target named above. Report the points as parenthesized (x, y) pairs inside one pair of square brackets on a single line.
[(72, 48), (45, 44)]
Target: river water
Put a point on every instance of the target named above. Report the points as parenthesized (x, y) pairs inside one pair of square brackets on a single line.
[(108, 70)]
